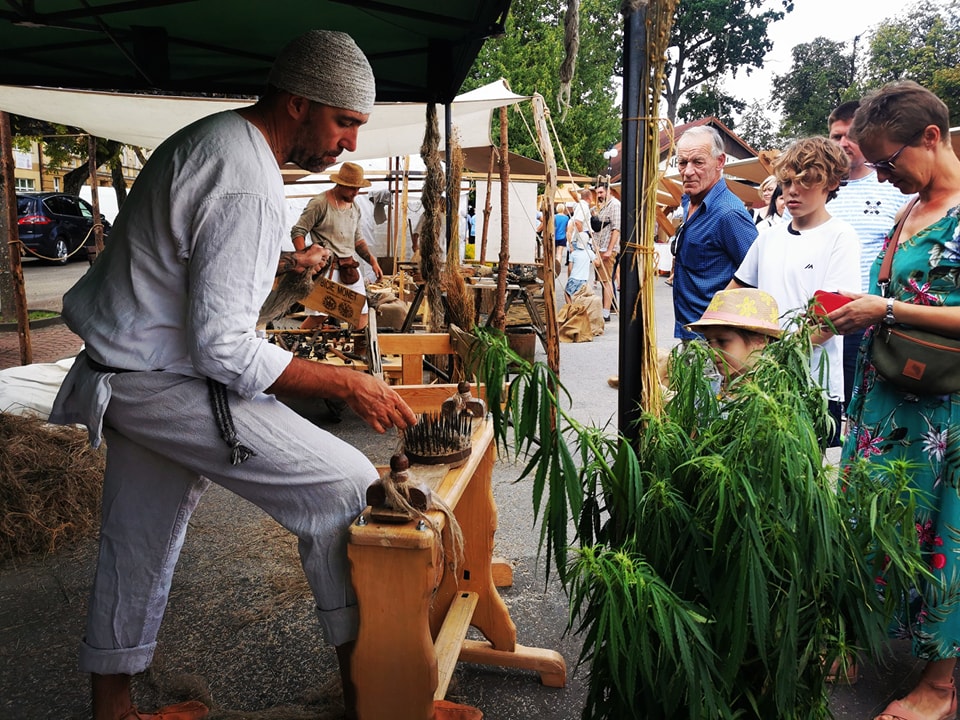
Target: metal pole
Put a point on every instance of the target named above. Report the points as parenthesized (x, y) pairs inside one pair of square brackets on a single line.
[(632, 161)]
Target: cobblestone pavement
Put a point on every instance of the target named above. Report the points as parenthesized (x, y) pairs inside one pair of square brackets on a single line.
[(48, 344)]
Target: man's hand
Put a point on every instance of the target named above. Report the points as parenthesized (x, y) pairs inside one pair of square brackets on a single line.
[(313, 258), (376, 268), (377, 403), (372, 399)]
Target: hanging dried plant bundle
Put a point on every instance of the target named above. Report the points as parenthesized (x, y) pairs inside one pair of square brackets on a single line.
[(571, 46), (50, 483), (460, 308), (432, 208), (641, 237)]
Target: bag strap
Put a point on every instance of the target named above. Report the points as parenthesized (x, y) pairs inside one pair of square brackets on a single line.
[(883, 279)]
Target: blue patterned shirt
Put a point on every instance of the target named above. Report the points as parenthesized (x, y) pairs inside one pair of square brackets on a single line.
[(710, 247)]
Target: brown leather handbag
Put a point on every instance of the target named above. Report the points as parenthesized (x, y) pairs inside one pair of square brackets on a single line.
[(914, 361), (349, 269)]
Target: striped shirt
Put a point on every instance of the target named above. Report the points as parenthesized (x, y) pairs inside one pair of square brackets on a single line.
[(870, 206)]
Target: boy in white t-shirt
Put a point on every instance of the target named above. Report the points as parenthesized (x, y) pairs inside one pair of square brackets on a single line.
[(813, 251)]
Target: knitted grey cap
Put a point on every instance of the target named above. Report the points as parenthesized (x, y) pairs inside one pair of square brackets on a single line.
[(327, 67)]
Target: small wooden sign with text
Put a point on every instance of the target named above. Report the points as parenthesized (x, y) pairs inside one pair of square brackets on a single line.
[(334, 299)]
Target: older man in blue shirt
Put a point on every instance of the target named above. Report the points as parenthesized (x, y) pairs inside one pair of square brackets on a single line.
[(716, 232)]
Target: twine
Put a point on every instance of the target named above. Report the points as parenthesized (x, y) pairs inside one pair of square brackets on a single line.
[(397, 497)]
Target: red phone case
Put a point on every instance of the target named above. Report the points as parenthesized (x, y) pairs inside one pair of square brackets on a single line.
[(826, 302)]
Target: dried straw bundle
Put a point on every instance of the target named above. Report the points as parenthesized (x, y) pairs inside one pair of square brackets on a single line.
[(430, 266), (50, 482)]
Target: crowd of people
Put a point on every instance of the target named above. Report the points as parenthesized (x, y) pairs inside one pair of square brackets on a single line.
[(884, 182), (168, 314)]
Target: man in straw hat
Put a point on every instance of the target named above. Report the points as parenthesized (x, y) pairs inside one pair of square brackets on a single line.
[(175, 377), (332, 220)]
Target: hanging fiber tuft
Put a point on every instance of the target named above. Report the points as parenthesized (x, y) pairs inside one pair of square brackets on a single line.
[(571, 46)]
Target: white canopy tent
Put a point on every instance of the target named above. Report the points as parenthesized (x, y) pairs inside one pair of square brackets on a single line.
[(394, 129)]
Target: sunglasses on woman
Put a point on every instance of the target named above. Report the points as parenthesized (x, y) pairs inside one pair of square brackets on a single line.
[(889, 165)]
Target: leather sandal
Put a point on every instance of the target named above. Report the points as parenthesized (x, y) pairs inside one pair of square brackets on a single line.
[(189, 710), (900, 711)]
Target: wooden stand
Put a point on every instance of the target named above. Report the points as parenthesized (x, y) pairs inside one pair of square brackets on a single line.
[(414, 614)]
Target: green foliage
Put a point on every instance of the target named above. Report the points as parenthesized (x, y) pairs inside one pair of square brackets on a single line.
[(915, 45), (714, 571), (818, 80), (709, 100), (61, 145), (529, 56), (946, 84), (758, 129), (712, 37)]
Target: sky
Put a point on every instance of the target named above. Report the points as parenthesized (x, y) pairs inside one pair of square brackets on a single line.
[(837, 20)]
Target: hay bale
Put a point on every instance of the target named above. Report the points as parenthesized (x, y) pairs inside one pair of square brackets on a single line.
[(50, 483)]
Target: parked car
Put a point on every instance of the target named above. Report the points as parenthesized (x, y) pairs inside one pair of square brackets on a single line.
[(54, 225)]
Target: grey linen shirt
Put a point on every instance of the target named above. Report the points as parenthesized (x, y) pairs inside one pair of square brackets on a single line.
[(190, 260)]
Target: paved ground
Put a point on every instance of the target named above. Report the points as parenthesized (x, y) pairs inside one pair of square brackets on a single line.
[(235, 636)]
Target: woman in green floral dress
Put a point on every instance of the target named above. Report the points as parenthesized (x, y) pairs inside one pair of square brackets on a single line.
[(904, 130)]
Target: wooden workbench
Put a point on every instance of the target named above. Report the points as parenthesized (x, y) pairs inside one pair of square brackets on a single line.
[(414, 613)]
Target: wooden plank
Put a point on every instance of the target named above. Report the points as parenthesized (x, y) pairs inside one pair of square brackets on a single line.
[(502, 572), (451, 636), (415, 344), (428, 398), (549, 664)]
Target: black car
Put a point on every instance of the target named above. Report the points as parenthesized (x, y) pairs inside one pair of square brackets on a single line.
[(54, 225)]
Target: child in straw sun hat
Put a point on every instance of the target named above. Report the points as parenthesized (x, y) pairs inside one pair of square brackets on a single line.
[(737, 324)]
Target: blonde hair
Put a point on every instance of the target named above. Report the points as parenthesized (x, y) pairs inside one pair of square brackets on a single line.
[(770, 182)]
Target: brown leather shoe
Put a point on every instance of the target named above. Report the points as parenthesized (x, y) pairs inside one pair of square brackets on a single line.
[(446, 710), (189, 710)]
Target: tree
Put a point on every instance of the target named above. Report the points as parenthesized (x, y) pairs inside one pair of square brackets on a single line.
[(529, 56), (819, 80), (62, 143), (916, 45), (710, 100), (946, 84), (712, 37), (757, 128)]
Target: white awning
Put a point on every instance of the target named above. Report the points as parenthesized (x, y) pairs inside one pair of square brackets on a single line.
[(394, 129)]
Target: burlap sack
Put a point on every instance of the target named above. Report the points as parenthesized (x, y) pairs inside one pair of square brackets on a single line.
[(594, 305), (390, 315), (573, 323)]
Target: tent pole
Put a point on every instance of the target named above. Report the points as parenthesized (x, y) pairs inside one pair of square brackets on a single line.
[(449, 209), (95, 193), (487, 209), (549, 286), (632, 335), (498, 317), (8, 229)]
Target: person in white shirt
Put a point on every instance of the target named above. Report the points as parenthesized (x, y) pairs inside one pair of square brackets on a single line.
[(813, 251), (177, 379)]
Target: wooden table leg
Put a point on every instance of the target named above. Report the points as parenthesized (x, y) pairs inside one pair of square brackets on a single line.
[(394, 665)]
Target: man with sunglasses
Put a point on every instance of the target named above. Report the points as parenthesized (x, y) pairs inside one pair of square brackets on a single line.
[(867, 204)]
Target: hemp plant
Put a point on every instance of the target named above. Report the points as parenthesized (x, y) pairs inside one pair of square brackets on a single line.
[(717, 567)]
